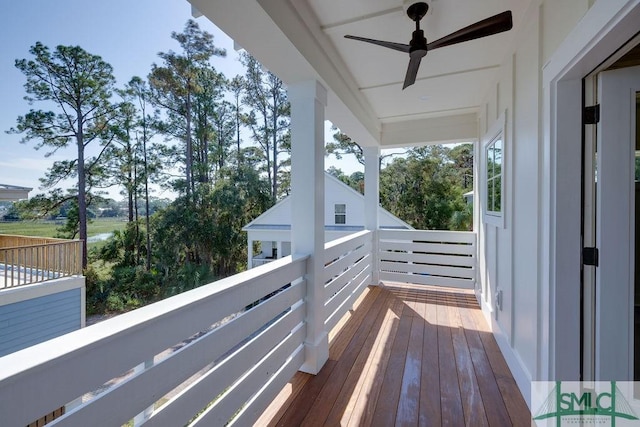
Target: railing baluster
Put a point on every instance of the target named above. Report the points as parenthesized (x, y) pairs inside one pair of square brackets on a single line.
[(31, 263), (6, 269), (12, 266), (21, 261)]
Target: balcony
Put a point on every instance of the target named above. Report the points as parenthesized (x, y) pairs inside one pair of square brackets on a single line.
[(27, 260), (230, 352), (406, 355)]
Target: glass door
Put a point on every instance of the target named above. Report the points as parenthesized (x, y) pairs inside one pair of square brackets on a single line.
[(614, 317)]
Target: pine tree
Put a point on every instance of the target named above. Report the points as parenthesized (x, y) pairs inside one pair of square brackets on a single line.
[(175, 84), (78, 85)]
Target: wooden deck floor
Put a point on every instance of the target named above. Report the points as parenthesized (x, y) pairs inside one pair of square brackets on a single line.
[(406, 355)]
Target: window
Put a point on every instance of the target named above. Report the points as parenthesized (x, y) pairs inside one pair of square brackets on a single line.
[(494, 175), (494, 149), (340, 213)]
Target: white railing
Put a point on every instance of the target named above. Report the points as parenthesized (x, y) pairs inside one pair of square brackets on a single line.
[(442, 258), (347, 273), (220, 353), (244, 357)]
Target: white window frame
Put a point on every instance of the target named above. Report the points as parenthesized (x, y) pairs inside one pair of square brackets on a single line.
[(336, 213), (496, 132)]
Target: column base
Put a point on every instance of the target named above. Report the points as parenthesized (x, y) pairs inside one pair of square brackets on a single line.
[(316, 355)]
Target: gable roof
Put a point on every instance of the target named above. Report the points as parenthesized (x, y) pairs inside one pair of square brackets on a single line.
[(278, 217)]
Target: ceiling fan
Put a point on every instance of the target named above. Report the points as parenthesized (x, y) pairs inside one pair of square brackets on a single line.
[(418, 46)]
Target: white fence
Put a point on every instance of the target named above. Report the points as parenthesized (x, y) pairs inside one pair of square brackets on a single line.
[(244, 356), (347, 272), (220, 353), (444, 258)]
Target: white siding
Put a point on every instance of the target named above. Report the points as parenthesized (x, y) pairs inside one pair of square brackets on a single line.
[(510, 257)]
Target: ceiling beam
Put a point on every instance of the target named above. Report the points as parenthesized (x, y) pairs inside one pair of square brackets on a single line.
[(437, 130)]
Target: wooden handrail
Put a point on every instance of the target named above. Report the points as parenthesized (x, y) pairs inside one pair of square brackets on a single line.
[(15, 240)]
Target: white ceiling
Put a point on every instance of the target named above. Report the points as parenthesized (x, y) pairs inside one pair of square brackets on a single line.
[(302, 39)]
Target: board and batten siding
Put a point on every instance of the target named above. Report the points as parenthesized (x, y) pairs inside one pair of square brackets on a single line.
[(29, 321)]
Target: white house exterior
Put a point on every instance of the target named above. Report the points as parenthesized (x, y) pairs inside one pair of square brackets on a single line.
[(529, 86), (344, 214)]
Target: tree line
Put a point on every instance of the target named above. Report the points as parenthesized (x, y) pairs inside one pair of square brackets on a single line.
[(182, 128)]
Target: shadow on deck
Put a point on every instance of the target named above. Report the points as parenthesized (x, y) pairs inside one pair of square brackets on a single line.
[(407, 355)]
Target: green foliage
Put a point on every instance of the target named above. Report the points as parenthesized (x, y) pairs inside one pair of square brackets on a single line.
[(268, 121), (425, 188), (208, 232), (125, 284), (196, 240), (355, 180), (95, 294)]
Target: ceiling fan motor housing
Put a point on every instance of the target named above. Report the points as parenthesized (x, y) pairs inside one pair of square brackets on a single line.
[(418, 41)]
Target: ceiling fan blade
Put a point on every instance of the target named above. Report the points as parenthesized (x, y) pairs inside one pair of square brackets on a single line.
[(391, 45), (412, 69), (487, 27)]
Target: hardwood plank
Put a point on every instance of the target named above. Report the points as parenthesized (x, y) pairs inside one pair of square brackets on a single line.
[(283, 400), (409, 402), (514, 402), (411, 355), (494, 406), (325, 400), (357, 406), (369, 393), (450, 399), (351, 324), (472, 405), (387, 405), (365, 296), (343, 406), (338, 339), (302, 403), (430, 414)]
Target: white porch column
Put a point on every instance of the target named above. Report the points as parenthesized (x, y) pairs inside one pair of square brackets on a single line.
[(249, 253), (279, 249), (308, 100), (371, 203)]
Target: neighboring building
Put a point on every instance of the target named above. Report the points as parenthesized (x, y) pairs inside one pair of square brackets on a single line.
[(42, 291), (13, 192), (36, 312), (344, 214)]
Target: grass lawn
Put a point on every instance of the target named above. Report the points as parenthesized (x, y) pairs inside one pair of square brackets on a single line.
[(48, 228)]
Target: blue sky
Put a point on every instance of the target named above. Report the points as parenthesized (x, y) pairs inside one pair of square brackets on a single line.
[(128, 34)]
